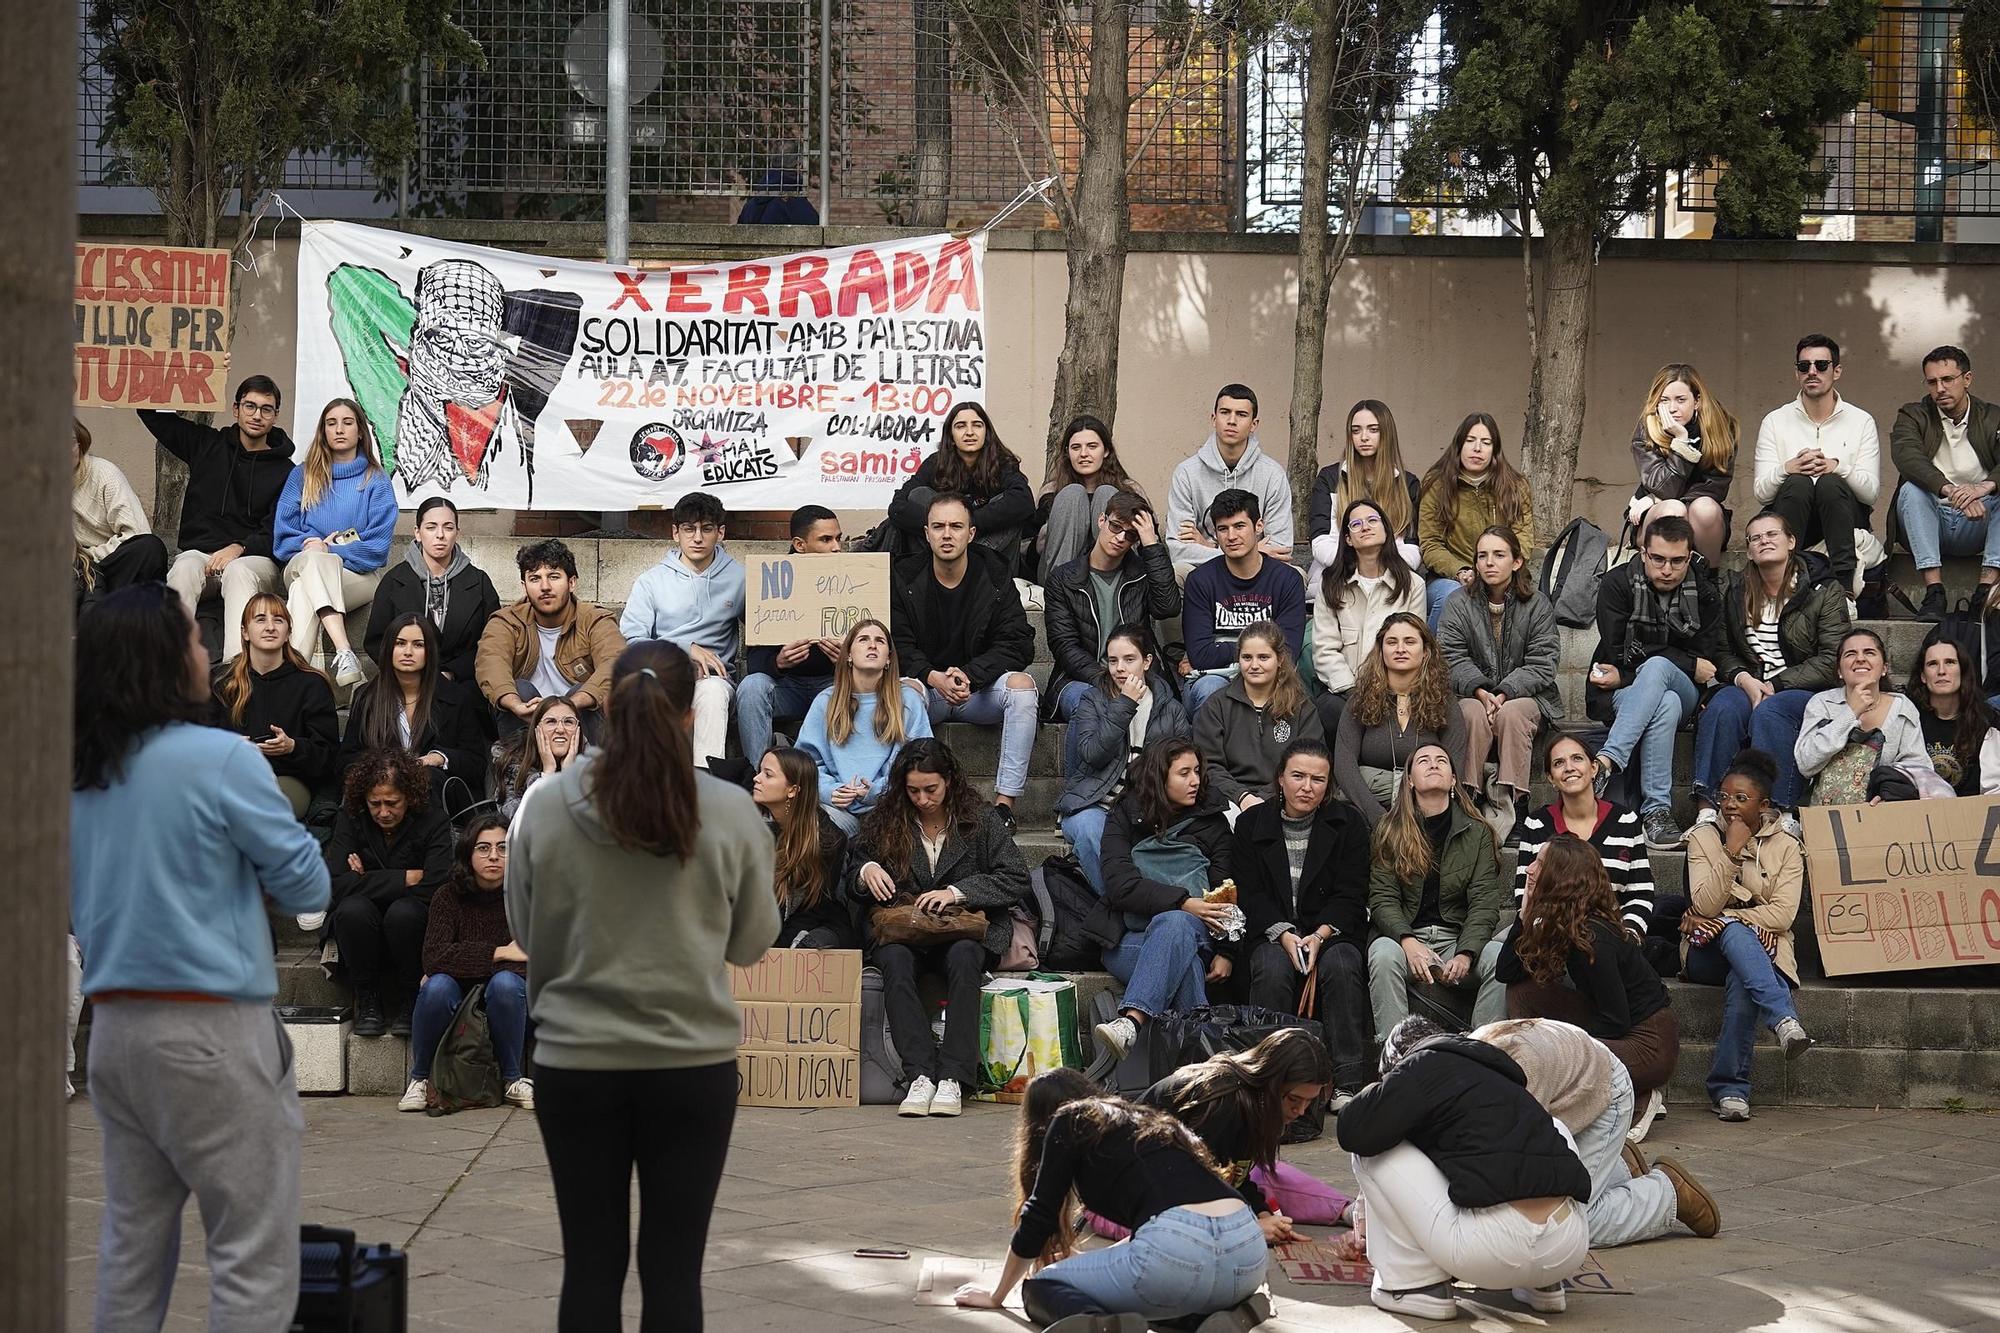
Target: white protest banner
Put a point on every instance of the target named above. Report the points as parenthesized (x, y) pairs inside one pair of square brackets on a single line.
[(512, 381), (792, 597)]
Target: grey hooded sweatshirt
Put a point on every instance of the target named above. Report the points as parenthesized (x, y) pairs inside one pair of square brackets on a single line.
[(625, 948), (1198, 480)]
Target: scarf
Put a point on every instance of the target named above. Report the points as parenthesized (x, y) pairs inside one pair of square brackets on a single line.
[(1663, 617), (437, 590)]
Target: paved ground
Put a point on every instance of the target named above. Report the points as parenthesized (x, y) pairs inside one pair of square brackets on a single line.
[(1842, 1220)]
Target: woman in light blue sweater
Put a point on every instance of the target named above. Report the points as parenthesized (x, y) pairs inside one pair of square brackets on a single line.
[(335, 517), (855, 727)]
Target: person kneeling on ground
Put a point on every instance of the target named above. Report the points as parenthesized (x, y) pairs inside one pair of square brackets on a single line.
[(1464, 1178), (1302, 873), (1196, 1248), (467, 942), (1238, 1104), (1579, 1081)]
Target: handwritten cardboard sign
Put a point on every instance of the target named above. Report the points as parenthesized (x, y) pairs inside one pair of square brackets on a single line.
[(152, 326), (791, 597), (801, 1042), (1905, 885)]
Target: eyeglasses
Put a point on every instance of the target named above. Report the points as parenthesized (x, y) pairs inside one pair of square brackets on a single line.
[(1806, 365), (1117, 532), (1368, 521), (1668, 561), (560, 723), (258, 409)]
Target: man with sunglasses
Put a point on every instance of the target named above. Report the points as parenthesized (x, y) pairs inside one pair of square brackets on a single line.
[(235, 474), (1659, 627), (1125, 577), (1947, 450), (1819, 460)]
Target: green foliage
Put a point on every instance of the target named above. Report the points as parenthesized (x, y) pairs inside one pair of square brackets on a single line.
[(1979, 56), (211, 96), (1580, 103)]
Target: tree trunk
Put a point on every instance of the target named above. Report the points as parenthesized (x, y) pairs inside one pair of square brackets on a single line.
[(1315, 259), (37, 69), (1555, 395), (931, 171), (1097, 230)]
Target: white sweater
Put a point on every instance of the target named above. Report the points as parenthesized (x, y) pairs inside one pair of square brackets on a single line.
[(1848, 437), (1341, 639), (106, 509), (1828, 720)]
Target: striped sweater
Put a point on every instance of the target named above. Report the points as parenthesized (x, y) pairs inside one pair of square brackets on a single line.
[(1618, 838)]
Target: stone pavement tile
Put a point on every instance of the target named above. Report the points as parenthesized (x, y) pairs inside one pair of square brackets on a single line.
[(491, 1261)]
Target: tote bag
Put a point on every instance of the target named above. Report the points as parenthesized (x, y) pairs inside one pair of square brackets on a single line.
[(1027, 1026)]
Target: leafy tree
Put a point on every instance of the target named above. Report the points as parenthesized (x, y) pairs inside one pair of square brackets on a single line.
[(210, 97), (1569, 111)]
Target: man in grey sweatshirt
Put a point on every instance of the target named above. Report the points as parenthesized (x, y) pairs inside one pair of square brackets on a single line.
[(1229, 458)]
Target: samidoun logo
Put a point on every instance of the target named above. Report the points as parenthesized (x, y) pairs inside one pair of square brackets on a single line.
[(657, 451)]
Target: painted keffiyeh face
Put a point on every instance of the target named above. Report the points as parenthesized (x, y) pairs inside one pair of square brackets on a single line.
[(451, 409)]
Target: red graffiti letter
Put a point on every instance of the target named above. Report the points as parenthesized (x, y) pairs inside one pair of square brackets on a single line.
[(911, 273), (628, 284), (953, 277), (804, 276), (865, 277), (746, 293), (684, 291)]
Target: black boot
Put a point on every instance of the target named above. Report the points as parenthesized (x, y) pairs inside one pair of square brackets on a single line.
[(1246, 1314), (368, 1019), (1933, 607), (399, 1026), (1057, 1307)]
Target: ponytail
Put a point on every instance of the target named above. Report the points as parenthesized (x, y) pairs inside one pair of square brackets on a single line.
[(643, 781)]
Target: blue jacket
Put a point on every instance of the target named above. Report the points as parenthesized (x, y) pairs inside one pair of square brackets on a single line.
[(671, 601), (356, 501), (168, 876), (865, 755)]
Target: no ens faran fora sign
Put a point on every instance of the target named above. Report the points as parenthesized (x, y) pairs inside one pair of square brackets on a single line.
[(1905, 884)]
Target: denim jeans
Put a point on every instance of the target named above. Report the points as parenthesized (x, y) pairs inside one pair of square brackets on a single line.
[(1179, 1263), (1085, 831), (1161, 965), (1069, 696), (760, 698), (1647, 713), (1200, 689), (1014, 710), (844, 820), (1728, 723), (1437, 592), (1934, 529), (1754, 992), (506, 1019), (1623, 1207)]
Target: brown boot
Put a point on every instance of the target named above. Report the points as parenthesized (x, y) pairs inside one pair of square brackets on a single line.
[(1635, 1161), (1693, 1205)]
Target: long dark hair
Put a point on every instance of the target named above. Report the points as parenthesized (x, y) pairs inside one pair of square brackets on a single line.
[(1431, 704), (983, 480), (1147, 788), (1975, 715), (1521, 587), (1070, 1092), (462, 878), (642, 784), (1510, 489), (385, 698), (521, 757), (1753, 582), (131, 676), (1253, 1082), (798, 863), (1062, 473), (1346, 566), (1571, 891), (889, 823)]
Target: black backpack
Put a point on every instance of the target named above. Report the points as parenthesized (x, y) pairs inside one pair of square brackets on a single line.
[(1571, 569), (1062, 904)]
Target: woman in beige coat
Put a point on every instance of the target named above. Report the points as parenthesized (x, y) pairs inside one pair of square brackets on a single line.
[(1746, 875)]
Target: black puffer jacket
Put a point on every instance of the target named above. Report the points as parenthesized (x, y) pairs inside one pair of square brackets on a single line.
[(1465, 1105)]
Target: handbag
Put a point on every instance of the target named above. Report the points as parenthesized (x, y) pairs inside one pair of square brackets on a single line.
[(464, 1071), (900, 922)]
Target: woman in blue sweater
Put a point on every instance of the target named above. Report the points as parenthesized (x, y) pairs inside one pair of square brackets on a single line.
[(856, 726), (335, 517)]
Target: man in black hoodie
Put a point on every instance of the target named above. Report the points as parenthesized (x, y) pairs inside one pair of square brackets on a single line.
[(1463, 1177), (235, 473), (959, 628)]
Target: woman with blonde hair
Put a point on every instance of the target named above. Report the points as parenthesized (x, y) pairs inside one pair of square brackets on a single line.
[(1242, 730), (115, 547), (1684, 448), (856, 726), (274, 696), (1372, 470), (1402, 699), (1470, 488), (332, 530)]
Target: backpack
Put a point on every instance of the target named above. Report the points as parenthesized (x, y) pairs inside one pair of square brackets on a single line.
[(1571, 569), (465, 1072), (1967, 626), (1061, 903), (881, 1067)]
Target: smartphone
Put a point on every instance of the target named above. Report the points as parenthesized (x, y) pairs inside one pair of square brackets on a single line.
[(1301, 952), (264, 739), (868, 1253)]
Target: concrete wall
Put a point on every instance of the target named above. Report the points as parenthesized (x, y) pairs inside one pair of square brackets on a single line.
[(1432, 326)]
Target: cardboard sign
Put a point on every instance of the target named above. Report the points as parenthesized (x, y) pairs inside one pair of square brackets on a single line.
[(801, 1042), (1905, 884), (792, 597), (1318, 1263), (152, 326)]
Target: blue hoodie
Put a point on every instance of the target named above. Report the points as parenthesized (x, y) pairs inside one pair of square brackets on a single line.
[(865, 755), (168, 876), (671, 601), (357, 501)]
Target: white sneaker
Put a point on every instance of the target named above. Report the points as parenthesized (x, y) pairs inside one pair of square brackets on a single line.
[(521, 1093), (918, 1100), (311, 921), (947, 1100), (416, 1095), (1549, 1300), (347, 668), (1434, 1302), (1792, 1038), (1118, 1036), (1789, 822), (1642, 1124), (1707, 815)]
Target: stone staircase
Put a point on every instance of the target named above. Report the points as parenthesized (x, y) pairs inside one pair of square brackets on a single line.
[(1882, 1041)]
